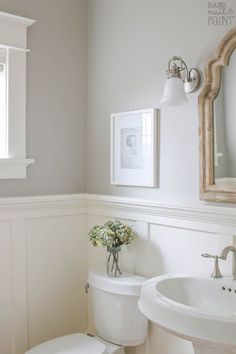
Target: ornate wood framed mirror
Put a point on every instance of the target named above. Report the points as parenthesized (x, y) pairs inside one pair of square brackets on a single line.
[(217, 114)]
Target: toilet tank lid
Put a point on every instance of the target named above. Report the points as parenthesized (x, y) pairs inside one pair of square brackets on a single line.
[(77, 343), (125, 284)]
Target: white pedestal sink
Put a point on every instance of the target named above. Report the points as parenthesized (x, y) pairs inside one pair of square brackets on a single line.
[(202, 310)]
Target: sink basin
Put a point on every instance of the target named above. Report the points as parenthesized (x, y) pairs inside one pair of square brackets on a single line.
[(200, 309)]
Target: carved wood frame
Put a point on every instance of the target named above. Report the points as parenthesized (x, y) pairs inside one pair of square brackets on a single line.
[(208, 190)]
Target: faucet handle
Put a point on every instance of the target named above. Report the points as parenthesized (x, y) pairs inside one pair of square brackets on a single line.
[(216, 271), (208, 255)]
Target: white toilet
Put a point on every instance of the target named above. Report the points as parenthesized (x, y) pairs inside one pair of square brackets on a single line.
[(117, 319)]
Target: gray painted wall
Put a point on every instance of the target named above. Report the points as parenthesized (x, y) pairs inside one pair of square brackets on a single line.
[(130, 43), (56, 88)]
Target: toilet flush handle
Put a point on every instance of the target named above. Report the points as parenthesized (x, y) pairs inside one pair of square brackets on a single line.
[(87, 287)]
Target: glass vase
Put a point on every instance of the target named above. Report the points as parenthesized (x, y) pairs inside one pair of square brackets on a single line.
[(113, 267)]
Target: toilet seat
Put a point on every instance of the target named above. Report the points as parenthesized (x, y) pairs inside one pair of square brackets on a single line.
[(77, 343)]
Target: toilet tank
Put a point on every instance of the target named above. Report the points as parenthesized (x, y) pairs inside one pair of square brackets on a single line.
[(117, 317)]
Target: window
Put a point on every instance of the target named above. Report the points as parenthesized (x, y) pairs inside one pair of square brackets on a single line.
[(13, 52)]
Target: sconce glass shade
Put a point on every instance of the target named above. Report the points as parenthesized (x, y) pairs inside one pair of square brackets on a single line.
[(174, 94)]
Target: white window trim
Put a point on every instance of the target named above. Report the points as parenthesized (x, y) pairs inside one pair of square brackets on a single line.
[(13, 36), (14, 168)]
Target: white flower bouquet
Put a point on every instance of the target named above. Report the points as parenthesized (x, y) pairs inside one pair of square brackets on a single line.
[(112, 235)]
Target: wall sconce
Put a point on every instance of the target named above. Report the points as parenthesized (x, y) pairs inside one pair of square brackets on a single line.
[(181, 80)]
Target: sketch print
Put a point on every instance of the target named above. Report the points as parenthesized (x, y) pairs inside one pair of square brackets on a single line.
[(134, 148), (131, 148)]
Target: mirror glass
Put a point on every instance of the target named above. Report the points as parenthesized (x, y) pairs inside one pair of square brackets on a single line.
[(224, 122)]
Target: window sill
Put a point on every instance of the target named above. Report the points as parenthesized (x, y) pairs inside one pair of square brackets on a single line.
[(14, 168)]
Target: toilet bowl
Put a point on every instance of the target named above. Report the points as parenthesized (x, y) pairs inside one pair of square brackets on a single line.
[(117, 319)]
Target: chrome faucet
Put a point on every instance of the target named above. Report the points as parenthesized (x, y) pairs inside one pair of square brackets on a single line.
[(224, 255)]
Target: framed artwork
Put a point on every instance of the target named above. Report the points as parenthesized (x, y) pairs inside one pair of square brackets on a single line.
[(134, 148)]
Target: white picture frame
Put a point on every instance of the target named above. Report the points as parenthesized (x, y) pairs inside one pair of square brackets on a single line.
[(134, 148)]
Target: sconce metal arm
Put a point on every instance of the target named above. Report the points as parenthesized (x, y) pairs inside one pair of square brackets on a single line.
[(192, 77), (175, 70)]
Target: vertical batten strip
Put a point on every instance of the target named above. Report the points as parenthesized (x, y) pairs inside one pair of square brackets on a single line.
[(19, 286)]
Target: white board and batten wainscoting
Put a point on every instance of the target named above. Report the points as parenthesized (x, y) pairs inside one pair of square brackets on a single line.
[(43, 263), (44, 258)]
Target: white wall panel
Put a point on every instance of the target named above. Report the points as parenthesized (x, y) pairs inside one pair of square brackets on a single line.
[(43, 269), (57, 268), (174, 250), (44, 255)]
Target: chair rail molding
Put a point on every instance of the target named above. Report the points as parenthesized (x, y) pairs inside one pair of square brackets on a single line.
[(42, 206), (202, 217)]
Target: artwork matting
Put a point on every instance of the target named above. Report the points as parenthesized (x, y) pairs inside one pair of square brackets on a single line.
[(134, 148)]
